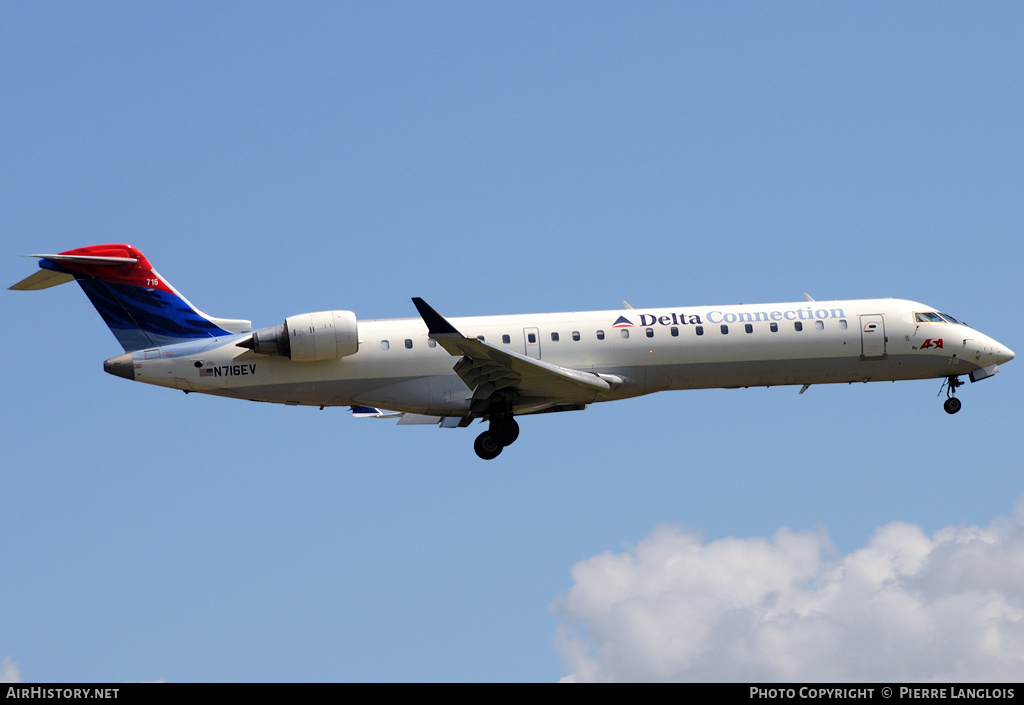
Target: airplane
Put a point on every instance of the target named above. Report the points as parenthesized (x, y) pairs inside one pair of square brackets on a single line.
[(450, 372)]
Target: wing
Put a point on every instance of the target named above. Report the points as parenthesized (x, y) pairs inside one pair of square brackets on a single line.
[(506, 379)]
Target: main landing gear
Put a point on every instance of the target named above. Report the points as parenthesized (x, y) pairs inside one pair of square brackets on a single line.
[(503, 431), (952, 404)]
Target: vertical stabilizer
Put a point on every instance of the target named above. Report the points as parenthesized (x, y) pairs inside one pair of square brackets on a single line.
[(141, 308)]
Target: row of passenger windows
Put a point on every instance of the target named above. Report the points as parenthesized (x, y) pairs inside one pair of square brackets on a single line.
[(386, 344), (506, 339)]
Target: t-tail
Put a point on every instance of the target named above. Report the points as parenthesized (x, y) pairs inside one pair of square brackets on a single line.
[(141, 308)]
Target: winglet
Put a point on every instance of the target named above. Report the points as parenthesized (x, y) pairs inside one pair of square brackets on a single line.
[(436, 323)]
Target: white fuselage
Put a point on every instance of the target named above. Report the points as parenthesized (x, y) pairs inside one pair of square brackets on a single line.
[(397, 366)]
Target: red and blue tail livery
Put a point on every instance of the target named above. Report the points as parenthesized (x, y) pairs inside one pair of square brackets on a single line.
[(495, 369), (141, 308)]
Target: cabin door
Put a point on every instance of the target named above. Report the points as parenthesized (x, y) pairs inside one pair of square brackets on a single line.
[(872, 337)]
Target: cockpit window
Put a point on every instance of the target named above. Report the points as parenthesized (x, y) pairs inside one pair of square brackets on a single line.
[(935, 317)]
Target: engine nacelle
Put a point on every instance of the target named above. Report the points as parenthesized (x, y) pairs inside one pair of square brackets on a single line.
[(308, 337)]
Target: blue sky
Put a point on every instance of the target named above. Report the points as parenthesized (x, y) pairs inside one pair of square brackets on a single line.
[(273, 159)]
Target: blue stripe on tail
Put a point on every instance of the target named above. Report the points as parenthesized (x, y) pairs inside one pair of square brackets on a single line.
[(146, 318)]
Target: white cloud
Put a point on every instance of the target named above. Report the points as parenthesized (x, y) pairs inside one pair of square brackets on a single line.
[(9, 671), (906, 607)]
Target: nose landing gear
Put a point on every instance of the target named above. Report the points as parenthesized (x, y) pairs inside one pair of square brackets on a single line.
[(952, 404)]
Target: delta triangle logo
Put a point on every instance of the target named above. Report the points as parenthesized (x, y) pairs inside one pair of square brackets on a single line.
[(622, 322)]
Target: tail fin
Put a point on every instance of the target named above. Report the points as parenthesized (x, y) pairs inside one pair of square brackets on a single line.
[(141, 308)]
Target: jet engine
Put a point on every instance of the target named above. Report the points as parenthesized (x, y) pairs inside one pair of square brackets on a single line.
[(308, 337)]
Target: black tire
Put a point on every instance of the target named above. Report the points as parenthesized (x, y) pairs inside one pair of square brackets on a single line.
[(486, 446), (952, 405), (506, 432)]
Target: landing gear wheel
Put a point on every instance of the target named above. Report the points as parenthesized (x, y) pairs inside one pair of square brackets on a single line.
[(952, 404), (506, 432), (486, 446)]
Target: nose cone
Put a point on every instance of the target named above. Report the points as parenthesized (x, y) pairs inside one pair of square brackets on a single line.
[(995, 352), (120, 366)]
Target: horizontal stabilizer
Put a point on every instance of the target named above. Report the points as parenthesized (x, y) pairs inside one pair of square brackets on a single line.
[(89, 259), (370, 412), (43, 279), (404, 419)]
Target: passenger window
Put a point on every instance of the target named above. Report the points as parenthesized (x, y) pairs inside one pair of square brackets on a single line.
[(575, 335), (700, 330), (431, 343), (600, 335), (625, 332), (554, 337), (384, 345), (532, 337), (774, 327), (820, 325), (725, 330), (749, 328), (675, 331), (798, 325), (650, 332), (506, 339), (408, 344), (842, 324)]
